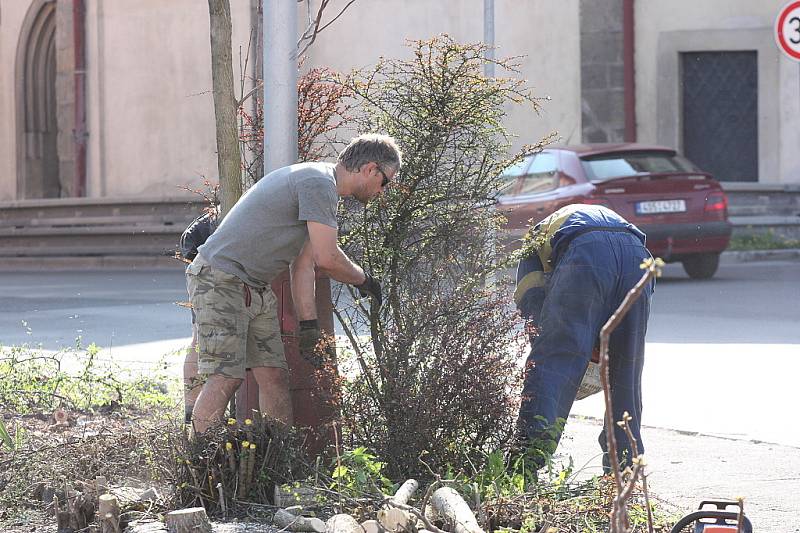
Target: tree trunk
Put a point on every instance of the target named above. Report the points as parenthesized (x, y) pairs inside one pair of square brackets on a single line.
[(343, 523), (191, 520), (228, 156), (108, 513)]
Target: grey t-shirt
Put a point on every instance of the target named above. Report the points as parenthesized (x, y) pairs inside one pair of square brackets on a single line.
[(266, 228)]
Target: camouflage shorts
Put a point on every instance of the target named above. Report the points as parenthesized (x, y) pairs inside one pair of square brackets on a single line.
[(237, 325)]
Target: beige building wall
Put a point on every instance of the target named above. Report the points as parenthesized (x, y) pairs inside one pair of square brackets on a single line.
[(546, 33), (664, 29), (149, 104), (150, 107), (12, 15), (151, 115)]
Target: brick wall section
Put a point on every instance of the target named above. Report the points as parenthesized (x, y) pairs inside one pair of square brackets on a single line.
[(65, 95), (602, 89)]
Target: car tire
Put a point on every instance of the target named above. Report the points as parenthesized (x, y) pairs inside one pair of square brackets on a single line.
[(701, 266)]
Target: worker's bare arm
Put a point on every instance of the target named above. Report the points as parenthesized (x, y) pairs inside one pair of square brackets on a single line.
[(302, 280), (330, 258)]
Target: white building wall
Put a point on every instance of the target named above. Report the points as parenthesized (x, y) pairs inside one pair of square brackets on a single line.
[(663, 29), (151, 114), (150, 109), (12, 15), (546, 33)]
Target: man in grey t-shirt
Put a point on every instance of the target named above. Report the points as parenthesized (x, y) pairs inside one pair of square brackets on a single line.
[(286, 220)]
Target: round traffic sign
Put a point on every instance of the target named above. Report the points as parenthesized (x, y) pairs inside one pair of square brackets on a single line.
[(787, 29)]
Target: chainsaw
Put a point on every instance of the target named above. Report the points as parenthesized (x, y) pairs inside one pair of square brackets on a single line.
[(715, 516)]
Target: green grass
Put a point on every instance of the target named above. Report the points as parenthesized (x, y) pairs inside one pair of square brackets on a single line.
[(35, 380), (762, 241)]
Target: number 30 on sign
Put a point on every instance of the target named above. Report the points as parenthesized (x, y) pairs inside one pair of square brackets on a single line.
[(787, 30)]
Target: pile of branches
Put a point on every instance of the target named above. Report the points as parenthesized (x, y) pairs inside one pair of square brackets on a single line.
[(54, 464), (239, 461)]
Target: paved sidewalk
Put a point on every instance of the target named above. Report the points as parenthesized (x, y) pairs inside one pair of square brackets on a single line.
[(685, 468)]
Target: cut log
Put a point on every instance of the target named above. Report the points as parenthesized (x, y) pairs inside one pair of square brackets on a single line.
[(396, 520), (100, 485), (454, 511), (283, 519), (150, 495), (372, 526), (393, 519), (405, 491), (146, 527), (108, 513), (343, 523), (191, 520)]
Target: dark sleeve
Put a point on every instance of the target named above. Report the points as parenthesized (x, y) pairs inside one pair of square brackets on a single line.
[(196, 234)]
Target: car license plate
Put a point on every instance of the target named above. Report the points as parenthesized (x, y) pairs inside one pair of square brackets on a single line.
[(660, 206)]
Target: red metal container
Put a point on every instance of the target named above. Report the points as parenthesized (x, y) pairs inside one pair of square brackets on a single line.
[(312, 392)]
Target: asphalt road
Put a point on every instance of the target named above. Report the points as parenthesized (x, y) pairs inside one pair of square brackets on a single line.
[(720, 382), (723, 355)]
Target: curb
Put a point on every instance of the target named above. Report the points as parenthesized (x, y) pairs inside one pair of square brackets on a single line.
[(747, 256), (95, 262), (170, 263)]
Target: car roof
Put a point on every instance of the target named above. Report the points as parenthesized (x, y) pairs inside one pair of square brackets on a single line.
[(589, 149)]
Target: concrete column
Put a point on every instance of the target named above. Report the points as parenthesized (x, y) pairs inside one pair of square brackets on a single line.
[(280, 84)]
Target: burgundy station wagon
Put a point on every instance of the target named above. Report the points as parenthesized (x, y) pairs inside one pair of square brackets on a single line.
[(682, 209)]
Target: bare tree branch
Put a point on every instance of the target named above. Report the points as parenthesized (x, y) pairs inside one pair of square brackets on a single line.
[(619, 514), (315, 28)]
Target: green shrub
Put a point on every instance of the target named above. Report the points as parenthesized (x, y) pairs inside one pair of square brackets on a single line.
[(438, 372)]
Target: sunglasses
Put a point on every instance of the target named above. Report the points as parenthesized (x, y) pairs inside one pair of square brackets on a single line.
[(385, 180)]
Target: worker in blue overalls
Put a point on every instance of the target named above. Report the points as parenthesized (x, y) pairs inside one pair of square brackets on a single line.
[(583, 259)]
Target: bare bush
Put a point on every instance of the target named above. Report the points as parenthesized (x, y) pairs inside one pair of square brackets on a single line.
[(437, 374)]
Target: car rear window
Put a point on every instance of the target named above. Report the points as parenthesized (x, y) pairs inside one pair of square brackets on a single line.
[(536, 173), (619, 165)]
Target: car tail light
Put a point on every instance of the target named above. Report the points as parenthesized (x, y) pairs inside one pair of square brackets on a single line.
[(716, 204)]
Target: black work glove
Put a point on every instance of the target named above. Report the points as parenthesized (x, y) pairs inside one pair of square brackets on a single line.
[(309, 336), (371, 287)]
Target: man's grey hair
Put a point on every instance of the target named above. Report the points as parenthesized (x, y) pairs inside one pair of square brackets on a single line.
[(371, 147)]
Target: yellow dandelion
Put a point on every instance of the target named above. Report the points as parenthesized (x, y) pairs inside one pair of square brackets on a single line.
[(247, 421), (228, 446), (245, 445), (231, 421)]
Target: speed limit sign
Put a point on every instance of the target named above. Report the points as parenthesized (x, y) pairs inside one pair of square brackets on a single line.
[(787, 30)]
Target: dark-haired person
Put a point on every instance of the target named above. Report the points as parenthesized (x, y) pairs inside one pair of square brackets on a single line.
[(191, 239), (287, 219), (584, 260)]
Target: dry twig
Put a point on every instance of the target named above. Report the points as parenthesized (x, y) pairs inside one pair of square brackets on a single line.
[(619, 515)]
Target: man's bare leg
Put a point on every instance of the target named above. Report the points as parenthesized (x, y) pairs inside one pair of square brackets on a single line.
[(191, 379), (212, 401), (274, 398)]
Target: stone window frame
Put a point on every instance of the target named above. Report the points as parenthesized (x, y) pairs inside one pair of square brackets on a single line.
[(668, 86), (29, 31)]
